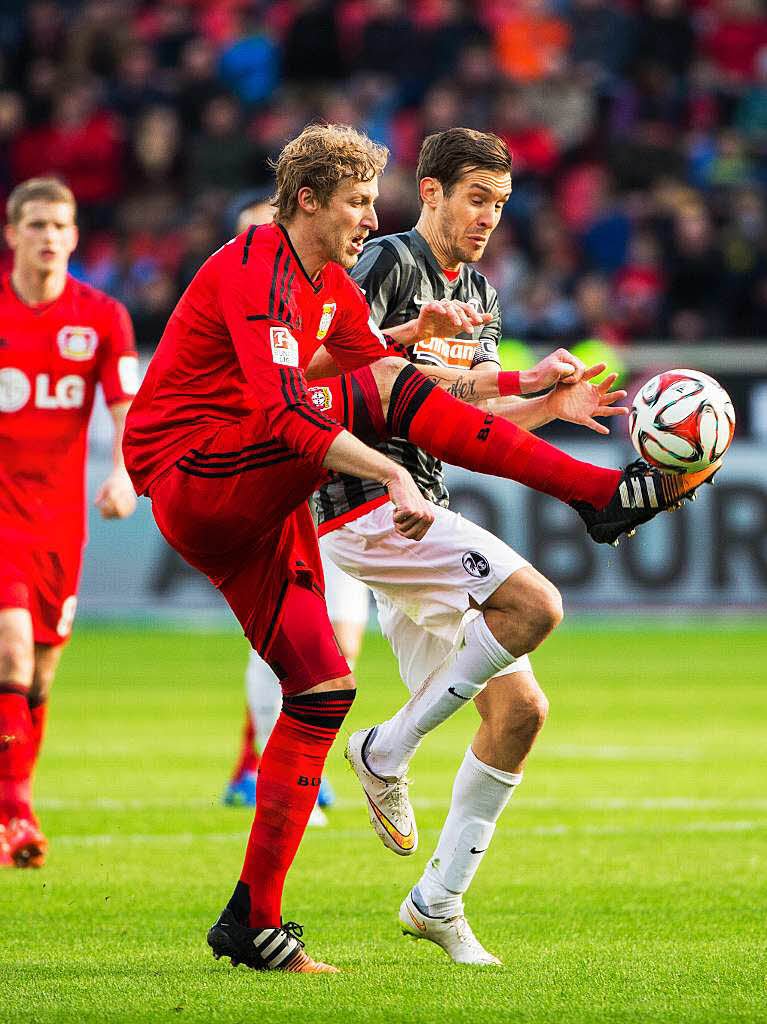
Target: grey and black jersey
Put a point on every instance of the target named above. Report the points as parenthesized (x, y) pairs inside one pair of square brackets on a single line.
[(398, 274)]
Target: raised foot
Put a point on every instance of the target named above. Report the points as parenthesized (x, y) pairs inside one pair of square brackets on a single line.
[(641, 494), (389, 808)]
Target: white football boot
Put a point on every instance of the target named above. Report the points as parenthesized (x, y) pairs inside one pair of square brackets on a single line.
[(391, 813), (454, 934)]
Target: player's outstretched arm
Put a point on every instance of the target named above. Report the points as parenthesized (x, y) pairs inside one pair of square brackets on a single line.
[(413, 513), (116, 498)]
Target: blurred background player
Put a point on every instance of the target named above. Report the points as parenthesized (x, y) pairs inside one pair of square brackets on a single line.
[(60, 338), (347, 602)]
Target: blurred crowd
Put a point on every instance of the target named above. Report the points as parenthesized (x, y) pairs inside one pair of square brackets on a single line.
[(638, 132)]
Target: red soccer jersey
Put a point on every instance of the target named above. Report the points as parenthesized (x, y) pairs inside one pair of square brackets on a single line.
[(236, 345), (51, 358)]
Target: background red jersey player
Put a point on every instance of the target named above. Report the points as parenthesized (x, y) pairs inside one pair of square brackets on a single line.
[(58, 340)]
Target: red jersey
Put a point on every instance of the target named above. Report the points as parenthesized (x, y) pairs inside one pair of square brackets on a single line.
[(236, 345), (51, 358)]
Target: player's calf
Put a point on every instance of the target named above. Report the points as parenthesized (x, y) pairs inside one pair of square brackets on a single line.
[(513, 709)]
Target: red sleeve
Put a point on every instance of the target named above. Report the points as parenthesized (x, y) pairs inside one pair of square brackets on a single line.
[(354, 339), (269, 357), (118, 372)]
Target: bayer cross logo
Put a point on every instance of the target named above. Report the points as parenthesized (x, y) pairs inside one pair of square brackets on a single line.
[(476, 564)]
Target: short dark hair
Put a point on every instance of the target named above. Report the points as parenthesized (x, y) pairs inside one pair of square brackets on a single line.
[(448, 155)]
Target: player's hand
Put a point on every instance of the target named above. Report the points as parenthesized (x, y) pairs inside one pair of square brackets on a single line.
[(413, 514), (561, 366), (580, 403), (447, 317), (116, 498)]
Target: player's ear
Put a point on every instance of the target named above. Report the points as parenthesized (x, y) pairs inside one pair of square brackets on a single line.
[(10, 235), (307, 200), (431, 192)]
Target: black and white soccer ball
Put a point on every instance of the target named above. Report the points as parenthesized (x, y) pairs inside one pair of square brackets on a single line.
[(681, 421)]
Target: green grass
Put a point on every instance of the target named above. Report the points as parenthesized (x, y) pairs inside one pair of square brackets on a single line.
[(626, 882)]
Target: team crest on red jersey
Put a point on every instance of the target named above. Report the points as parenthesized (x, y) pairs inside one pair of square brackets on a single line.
[(78, 343), (328, 312), (322, 398)]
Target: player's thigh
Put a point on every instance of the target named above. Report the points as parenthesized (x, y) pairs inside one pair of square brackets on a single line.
[(525, 594), (230, 492), (435, 581), (17, 648), (304, 654)]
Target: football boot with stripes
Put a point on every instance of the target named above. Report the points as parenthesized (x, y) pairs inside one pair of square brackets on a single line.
[(642, 493), (389, 807), (453, 934), (263, 949), (26, 842)]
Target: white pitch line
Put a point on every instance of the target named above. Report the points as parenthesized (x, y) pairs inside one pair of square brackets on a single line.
[(191, 838), (609, 803)]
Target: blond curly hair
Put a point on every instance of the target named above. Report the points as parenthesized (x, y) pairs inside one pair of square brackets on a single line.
[(320, 158)]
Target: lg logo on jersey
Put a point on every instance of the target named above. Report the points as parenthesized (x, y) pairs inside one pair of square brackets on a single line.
[(68, 392)]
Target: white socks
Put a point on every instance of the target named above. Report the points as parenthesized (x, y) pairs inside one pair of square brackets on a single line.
[(448, 688), (264, 696), (480, 793)]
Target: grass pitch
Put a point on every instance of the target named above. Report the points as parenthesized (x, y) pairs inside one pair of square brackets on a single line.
[(626, 882)]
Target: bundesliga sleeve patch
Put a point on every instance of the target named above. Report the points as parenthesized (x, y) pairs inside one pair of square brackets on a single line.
[(284, 346), (127, 371)]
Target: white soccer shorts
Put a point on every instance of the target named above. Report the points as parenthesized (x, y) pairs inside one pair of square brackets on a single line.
[(422, 588), (346, 598)]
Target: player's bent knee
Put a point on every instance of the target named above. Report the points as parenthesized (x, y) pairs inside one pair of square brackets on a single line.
[(385, 371), (341, 683)]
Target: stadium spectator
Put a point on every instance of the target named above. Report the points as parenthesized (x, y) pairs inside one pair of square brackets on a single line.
[(680, 94)]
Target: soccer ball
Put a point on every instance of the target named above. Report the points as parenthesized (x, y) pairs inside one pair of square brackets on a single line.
[(681, 421)]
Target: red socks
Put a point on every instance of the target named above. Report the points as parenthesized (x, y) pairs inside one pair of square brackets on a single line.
[(288, 780), (16, 753), (249, 758), (464, 436), (38, 714)]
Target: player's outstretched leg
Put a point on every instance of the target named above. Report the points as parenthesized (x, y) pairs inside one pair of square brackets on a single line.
[(611, 502), (318, 694)]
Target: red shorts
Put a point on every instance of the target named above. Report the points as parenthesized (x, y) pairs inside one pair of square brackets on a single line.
[(236, 508), (42, 581)]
